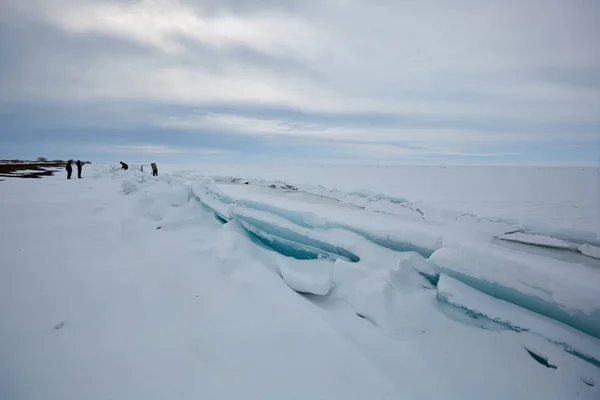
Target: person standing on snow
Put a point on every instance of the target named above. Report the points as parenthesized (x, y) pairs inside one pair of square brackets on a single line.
[(69, 168), (154, 169), (124, 166), (79, 166)]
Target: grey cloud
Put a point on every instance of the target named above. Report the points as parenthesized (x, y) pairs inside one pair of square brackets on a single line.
[(512, 67), (584, 77)]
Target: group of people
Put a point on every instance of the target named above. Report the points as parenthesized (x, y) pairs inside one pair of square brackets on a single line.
[(69, 168), (125, 167)]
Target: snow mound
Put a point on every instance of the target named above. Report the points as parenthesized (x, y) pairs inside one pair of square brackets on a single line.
[(372, 299), (407, 275), (178, 196), (189, 215), (563, 291), (518, 319), (347, 272), (128, 186), (313, 277)]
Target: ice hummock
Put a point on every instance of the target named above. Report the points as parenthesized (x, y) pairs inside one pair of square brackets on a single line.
[(566, 292), (291, 228), (275, 231), (392, 232), (516, 318)]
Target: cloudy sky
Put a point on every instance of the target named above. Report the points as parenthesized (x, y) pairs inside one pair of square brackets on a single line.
[(377, 81)]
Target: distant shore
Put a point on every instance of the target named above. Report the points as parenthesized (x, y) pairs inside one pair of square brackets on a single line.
[(29, 169)]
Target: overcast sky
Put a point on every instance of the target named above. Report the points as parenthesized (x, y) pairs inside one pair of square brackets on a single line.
[(374, 81)]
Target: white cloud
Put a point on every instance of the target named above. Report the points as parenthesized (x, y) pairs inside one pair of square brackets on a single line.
[(163, 23), (352, 132), (158, 149)]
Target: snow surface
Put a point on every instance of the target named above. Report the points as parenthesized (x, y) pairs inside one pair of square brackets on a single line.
[(123, 285)]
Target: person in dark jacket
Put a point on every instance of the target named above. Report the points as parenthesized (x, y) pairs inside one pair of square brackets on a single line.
[(69, 168), (154, 169), (124, 166), (79, 166)]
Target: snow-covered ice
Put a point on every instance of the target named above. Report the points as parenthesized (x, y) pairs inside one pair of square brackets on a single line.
[(301, 284), (550, 201), (567, 292)]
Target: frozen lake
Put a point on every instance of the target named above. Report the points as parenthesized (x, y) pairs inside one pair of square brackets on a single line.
[(297, 282)]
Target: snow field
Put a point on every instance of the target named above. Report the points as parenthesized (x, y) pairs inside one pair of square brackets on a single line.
[(180, 287)]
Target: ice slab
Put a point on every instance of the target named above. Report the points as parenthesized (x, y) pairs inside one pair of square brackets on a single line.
[(590, 251), (369, 200), (566, 292), (538, 240), (212, 201), (286, 237), (269, 229), (572, 235), (516, 318), (393, 232)]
